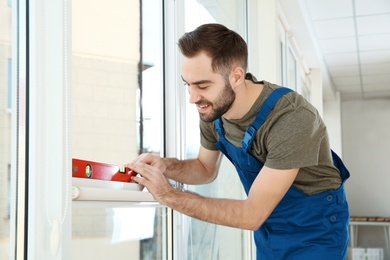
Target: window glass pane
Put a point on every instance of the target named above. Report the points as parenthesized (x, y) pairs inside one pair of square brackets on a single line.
[(291, 70), (150, 118), (282, 63), (113, 82), (209, 241), (5, 129), (9, 85), (118, 233), (305, 88)]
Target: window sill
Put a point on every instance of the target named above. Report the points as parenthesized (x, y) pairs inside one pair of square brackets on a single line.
[(90, 193)]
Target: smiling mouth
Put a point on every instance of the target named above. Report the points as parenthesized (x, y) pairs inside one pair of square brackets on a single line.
[(202, 107)]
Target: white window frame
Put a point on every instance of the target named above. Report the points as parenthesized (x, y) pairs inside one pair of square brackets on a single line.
[(9, 86), (18, 137), (288, 40)]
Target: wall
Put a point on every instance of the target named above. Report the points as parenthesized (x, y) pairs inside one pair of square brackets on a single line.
[(366, 145), (105, 80), (332, 119), (5, 128), (104, 114)]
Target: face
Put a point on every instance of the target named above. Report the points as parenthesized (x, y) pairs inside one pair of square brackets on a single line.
[(209, 91)]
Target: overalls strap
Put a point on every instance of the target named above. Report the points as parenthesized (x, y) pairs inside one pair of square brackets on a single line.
[(339, 164), (221, 132), (219, 127), (265, 110)]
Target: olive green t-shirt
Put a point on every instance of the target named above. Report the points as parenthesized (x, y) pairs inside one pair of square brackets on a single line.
[(293, 136)]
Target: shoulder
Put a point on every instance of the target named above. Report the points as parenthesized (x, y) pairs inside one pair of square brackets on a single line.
[(290, 101), (206, 125), (208, 134)]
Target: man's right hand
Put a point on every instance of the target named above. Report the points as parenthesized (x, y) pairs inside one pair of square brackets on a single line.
[(152, 160)]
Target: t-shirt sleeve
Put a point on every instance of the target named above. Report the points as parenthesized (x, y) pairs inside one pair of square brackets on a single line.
[(208, 136), (294, 139)]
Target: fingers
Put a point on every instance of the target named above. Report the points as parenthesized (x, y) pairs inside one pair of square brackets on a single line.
[(140, 158), (142, 170), (145, 158), (139, 180), (149, 159), (145, 170), (152, 178)]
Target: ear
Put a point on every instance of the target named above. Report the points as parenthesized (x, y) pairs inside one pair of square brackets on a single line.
[(237, 76)]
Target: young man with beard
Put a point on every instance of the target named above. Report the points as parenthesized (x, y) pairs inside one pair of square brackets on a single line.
[(277, 141)]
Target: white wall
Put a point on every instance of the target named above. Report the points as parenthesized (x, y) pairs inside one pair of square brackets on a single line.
[(332, 119), (105, 50), (263, 57), (366, 146), (108, 30), (316, 89)]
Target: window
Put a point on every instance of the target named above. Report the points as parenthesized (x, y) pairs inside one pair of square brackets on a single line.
[(9, 84), (205, 240), (8, 212), (291, 70), (6, 131), (117, 114), (282, 63)]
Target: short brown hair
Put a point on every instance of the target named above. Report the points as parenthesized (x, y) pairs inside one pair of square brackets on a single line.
[(225, 47)]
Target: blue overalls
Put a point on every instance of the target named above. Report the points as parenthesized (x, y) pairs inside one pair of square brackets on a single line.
[(301, 226)]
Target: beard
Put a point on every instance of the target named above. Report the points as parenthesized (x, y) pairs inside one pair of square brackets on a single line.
[(221, 104)]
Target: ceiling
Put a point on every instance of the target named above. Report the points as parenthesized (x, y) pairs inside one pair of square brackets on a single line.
[(348, 39)]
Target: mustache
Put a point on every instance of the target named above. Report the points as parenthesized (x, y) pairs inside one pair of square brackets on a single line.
[(203, 103)]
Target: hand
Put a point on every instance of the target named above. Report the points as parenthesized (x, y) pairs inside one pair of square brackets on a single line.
[(152, 160), (153, 179)]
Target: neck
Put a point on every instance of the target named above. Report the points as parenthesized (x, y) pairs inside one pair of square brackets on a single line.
[(246, 96)]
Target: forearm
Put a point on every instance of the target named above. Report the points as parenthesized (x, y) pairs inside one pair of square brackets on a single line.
[(190, 171), (219, 211), (267, 190), (227, 212), (269, 187)]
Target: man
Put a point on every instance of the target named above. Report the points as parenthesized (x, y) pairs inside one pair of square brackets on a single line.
[(277, 141)]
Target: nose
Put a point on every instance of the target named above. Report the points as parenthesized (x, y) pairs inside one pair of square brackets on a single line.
[(193, 94)]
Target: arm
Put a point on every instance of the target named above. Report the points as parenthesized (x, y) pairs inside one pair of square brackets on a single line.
[(267, 190), (203, 169)]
